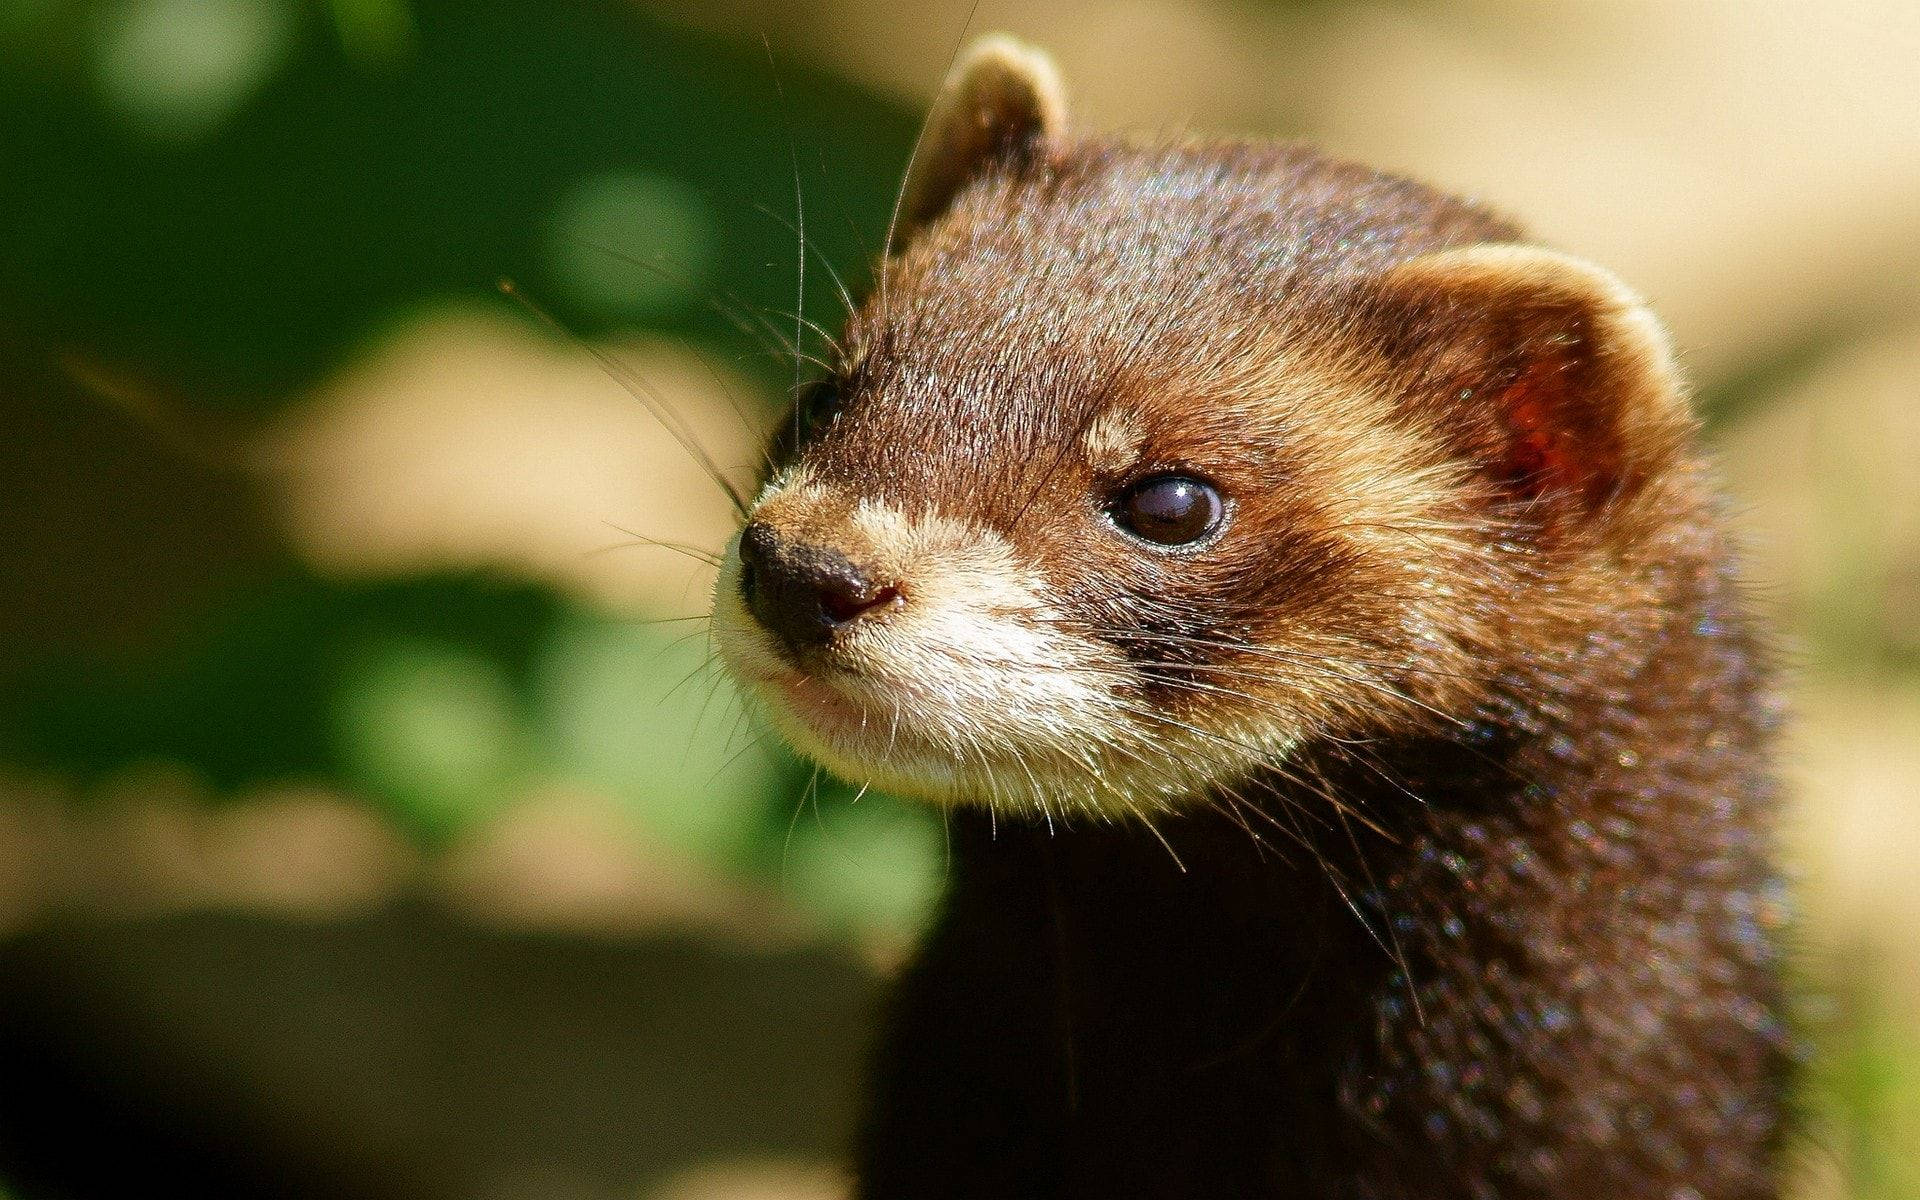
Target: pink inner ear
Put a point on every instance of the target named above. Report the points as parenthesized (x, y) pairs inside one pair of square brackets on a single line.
[(1559, 424), (1551, 378), (1539, 454)]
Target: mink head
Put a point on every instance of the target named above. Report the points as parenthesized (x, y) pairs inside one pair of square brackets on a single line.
[(1146, 469)]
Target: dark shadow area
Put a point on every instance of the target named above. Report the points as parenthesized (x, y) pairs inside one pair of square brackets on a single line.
[(409, 1055)]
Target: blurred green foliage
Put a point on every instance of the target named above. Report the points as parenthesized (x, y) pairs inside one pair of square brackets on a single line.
[(1862, 1094), (231, 197), (242, 196)]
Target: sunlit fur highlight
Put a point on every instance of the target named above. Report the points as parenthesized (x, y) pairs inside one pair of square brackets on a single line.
[(1112, 441)]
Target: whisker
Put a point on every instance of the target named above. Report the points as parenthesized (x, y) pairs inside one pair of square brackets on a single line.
[(800, 230), (800, 357), (1153, 829), (755, 432), (1398, 953), (1075, 625), (714, 685), (1316, 662), (820, 331), (786, 848), (755, 742), (853, 227), (639, 389), (1270, 760), (734, 313), (1228, 806), (687, 678), (1067, 446), (640, 539), (819, 255), (913, 155)]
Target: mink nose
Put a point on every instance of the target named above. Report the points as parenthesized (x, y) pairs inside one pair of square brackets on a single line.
[(803, 593)]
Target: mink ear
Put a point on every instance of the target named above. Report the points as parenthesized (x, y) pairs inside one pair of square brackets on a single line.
[(1001, 104), (1545, 370)]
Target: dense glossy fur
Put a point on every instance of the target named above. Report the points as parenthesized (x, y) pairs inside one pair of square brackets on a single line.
[(1552, 975), (1429, 854)]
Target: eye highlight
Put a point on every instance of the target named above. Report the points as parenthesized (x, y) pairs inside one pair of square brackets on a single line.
[(1170, 510)]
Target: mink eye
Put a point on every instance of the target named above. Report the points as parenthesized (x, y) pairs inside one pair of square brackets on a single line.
[(818, 405), (1169, 510)]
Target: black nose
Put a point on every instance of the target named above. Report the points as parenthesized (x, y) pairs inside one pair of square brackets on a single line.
[(801, 592)]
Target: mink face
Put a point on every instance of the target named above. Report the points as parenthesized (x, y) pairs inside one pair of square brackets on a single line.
[(1131, 483)]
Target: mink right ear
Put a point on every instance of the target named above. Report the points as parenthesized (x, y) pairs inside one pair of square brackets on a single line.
[(1544, 369), (1000, 106)]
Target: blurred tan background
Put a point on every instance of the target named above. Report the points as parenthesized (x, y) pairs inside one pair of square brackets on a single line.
[(332, 610)]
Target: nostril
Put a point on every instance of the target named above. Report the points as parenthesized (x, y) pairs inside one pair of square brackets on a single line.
[(803, 592), (843, 600)]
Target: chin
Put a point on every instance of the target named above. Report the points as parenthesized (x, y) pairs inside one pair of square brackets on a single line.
[(864, 739)]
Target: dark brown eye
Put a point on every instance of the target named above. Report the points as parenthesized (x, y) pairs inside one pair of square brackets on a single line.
[(1170, 510), (818, 405)]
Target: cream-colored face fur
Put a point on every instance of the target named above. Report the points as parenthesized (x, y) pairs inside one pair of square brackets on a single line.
[(974, 688)]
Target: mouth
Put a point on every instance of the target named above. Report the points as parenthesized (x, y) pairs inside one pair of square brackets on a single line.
[(826, 707), (840, 721)]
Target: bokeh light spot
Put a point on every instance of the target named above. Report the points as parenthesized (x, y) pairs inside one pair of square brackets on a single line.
[(641, 714), (431, 729), (178, 69), (630, 245)]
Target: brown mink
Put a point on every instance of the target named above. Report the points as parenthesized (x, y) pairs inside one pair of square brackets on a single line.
[(1308, 603)]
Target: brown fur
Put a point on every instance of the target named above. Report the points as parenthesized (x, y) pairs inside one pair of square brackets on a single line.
[(1426, 852)]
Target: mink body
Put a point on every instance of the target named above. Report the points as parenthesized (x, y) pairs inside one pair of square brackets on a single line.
[(1403, 833)]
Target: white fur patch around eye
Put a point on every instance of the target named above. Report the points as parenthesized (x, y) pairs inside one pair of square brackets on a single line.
[(1112, 441)]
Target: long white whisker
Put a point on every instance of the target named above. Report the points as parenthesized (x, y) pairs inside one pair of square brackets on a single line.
[(640, 390), (913, 155)]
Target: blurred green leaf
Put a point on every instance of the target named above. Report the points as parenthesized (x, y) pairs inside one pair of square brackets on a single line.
[(178, 69), (24, 23), (641, 713), (1861, 1095), (1878, 1070), (248, 692), (374, 31), (239, 267), (431, 727), (626, 244)]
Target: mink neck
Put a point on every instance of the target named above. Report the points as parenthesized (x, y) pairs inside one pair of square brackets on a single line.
[(1556, 919), (1377, 876)]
